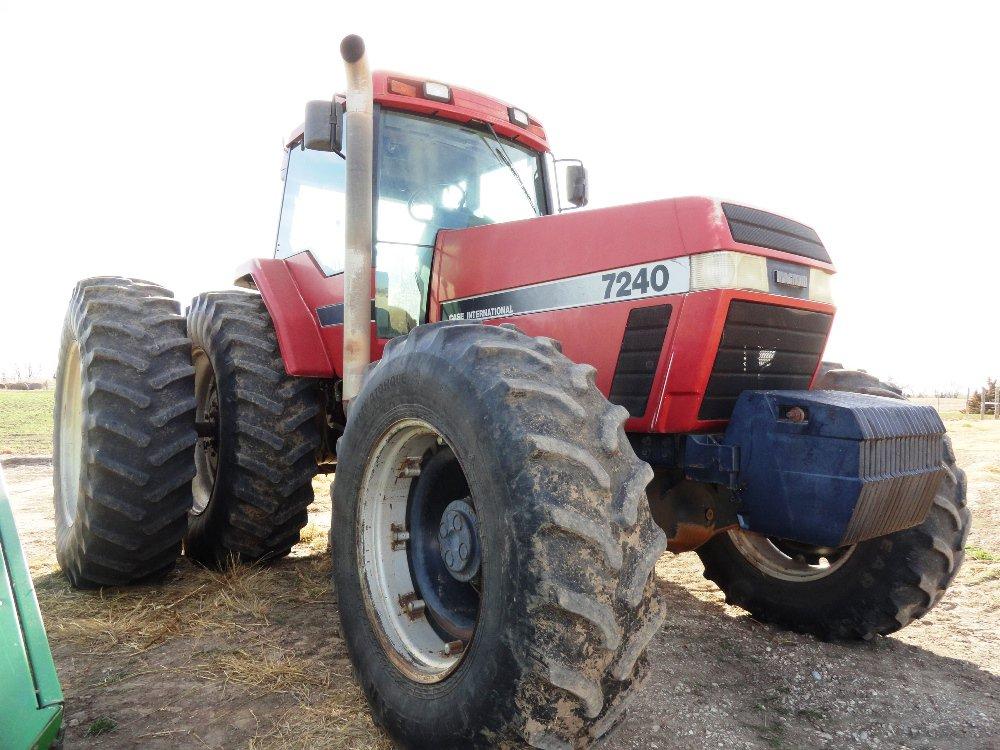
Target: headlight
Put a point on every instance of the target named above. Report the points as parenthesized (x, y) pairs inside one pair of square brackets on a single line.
[(518, 116), (728, 270), (820, 286), (437, 91)]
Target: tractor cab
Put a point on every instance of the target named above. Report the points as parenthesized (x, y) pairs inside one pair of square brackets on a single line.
[(444, 158)]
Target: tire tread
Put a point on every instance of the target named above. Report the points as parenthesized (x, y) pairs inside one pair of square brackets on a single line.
[(137, 467), (272, 424)]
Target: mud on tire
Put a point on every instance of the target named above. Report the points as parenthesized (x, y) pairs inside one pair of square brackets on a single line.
[(568, 601), (255, 473), (883, 585), (124, 433)]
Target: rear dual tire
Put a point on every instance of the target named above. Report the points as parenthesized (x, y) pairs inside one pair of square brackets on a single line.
[(254, 471), (124, 436), (125, 448), (566, 603)]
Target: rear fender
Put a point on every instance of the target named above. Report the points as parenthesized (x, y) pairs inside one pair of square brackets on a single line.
[(295, 323)]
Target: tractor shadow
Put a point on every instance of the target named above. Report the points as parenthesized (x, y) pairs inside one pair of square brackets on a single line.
[(730, 679)]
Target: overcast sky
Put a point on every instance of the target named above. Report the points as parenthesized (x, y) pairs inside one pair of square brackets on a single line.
[(145, 139)]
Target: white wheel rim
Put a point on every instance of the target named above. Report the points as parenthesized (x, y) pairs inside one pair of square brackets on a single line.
[(70, 434), (764, 555), (206, 466), (410, 642)]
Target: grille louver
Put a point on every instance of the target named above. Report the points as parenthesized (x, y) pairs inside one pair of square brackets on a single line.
[(763, 347), (637, 359)]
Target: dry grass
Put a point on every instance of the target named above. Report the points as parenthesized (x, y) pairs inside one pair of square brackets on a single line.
[(263, 639), (331, 722), (134, 620), (240, 617)]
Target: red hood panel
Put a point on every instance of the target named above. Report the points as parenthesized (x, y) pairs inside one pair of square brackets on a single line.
[(502, 256)]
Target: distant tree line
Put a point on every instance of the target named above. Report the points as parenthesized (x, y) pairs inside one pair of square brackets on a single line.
[(23, 373)]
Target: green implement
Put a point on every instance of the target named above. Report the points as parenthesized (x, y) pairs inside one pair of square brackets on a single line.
[(31, 701)]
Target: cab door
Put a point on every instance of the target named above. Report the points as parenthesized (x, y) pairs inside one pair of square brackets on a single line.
[(310, 242)]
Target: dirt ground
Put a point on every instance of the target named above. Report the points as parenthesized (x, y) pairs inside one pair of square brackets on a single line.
[(253, 657)]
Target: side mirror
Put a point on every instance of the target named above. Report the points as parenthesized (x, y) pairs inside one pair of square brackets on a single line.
[(324, 126), (577, 192), (575, 189)]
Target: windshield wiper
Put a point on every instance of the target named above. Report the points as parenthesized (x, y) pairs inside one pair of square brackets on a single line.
[(504, 158)]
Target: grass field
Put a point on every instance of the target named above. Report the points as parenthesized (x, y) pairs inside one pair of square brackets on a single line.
[(26, 422)]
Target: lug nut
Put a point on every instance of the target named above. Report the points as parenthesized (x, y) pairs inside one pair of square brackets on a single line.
[(400, 537), (409, 468), (414, 608)]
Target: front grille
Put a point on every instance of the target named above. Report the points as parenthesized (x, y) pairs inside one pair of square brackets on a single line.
[(637, 359), (754, 227), (763, 347)]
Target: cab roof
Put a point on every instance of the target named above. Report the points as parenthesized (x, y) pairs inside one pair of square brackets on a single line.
[(404, 92)]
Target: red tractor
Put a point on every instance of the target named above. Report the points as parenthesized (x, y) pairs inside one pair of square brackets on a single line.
[(523, 408)]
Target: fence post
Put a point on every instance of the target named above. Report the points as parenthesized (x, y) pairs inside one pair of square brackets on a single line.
[(982, 405), (996, 400)]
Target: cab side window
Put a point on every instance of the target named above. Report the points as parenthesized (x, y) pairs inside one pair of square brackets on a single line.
[(313, 208)]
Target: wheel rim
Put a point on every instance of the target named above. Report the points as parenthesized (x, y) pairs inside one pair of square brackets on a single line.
[(789, 561), (422, 611), (207, 417), (70, 434)]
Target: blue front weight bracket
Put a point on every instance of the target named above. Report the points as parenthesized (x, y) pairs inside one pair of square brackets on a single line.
[(825, 468)]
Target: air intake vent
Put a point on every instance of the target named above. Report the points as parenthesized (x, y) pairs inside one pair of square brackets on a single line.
[(637, 359), (753, 227), (763, 347)]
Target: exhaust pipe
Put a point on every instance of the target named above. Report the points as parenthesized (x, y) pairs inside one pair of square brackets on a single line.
[(358, 247)]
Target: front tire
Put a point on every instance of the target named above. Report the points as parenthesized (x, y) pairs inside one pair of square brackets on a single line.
[(124, 433), (872, 588), (256, 456), (481, 427)]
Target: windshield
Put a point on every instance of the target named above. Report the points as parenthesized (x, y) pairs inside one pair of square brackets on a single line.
[(439, 175)]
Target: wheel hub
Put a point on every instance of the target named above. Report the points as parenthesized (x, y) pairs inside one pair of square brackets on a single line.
[(458, 536)]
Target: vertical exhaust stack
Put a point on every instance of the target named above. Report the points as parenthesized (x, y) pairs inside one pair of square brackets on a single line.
[(358, 247)]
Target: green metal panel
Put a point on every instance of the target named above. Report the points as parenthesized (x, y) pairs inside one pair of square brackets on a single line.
[(30, 696)]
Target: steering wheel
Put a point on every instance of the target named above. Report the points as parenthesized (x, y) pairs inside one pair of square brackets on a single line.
[(427, 190)]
